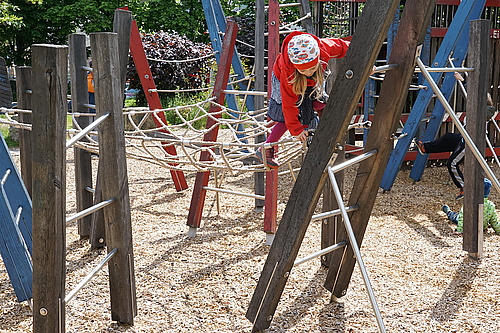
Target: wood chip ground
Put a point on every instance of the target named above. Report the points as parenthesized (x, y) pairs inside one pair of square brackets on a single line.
[(422, 279)]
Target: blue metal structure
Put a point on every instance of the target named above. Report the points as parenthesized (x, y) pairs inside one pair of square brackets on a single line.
[(454, 45), (15, 226)]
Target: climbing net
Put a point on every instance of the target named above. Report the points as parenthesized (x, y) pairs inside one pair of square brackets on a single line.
[(148, 136)]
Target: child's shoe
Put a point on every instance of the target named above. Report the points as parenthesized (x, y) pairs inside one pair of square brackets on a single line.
[(420, 147), (270, 159), (446, 209), (460, 194)]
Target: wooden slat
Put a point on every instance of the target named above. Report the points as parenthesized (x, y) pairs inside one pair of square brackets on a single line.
[(80, 97), (365, 45), (24, 95), (50, 76), (199, 193), (113, 169), (477, 57)]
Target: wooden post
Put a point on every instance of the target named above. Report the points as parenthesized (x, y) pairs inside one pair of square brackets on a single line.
[(273, 47), (24, 94), (386, 117), (348, 87), (260, 85), (113, 164), (122, 24), (199, 193), (50, 77), (477, 57), (83, 158)]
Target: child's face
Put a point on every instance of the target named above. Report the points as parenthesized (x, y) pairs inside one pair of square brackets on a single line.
[(309, 71)]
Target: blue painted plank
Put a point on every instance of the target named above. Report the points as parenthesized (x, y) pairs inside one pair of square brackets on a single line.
[(15, 240), (467, 10)]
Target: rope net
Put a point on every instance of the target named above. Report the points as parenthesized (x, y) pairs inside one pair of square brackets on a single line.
[(148, 137)]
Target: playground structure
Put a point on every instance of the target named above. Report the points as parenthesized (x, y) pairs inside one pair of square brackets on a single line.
[(164, 139)]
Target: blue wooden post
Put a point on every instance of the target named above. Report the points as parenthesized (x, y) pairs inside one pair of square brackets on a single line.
[(467, 10), (15, 226)]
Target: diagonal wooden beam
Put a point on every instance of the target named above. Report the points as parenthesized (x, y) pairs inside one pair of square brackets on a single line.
[(347, 89), (415, 19)]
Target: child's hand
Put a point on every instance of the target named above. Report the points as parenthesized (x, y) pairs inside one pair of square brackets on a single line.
[(302, 136), (458, 76)]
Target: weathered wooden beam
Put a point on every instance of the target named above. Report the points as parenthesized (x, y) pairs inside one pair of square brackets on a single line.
[(348, 87), (80, 97), (113, 168), (50, 77), (477, 86), (24, 93), (122, 23), (387, 113), (202, 178)]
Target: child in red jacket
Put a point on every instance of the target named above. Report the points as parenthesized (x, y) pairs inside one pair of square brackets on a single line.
[(297, 92)]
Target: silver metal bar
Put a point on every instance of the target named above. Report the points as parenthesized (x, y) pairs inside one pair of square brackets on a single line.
[(444, 69), (5, 176), (86, 130), (355, 248), (246, 92), (385, 68), (89, 106), (460, 127), (89, 189), (89, 210), (332, 213), (233, 192), (320, 253), (86, 279), (18, 215), (353, 161)]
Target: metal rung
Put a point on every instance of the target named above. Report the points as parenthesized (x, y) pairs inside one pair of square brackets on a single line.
[(86, 279), (89, 210), (261, 197), (248, 92), (332, 213), (282, 5), (320, 253), (90, 189), (18, 215), (86, 130), (5, 176), (353, 161)]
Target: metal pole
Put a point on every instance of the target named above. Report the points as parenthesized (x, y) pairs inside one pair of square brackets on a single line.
[(332, 213), (86, 279), (353, 161), (320, 253), (86, 130), (89, 210), (355, 248), (457, 123)]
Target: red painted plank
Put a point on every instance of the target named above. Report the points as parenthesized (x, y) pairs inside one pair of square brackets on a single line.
[(149, 87)]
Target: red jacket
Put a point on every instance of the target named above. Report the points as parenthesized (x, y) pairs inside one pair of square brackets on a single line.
[(283, 70)]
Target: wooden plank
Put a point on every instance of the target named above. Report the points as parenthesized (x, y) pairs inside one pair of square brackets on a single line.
[(477, 58), (122, 24), (260, 85), (83, 158), (5, 90), (149, 87), (113, 166), (50, 77), (24, 93), (199, 193), (387, 113), (348, 87), (273, 49)]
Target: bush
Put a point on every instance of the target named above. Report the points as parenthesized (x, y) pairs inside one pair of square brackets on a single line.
[(173, 75)]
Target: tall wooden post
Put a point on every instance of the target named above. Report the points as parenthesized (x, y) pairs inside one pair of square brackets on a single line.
[(50, 75), (477, 57), (24, 93), (112, 158), (80, 97)]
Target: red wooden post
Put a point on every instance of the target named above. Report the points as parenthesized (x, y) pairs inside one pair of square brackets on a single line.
[(273, 44), (199, 193), (149, 87)]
